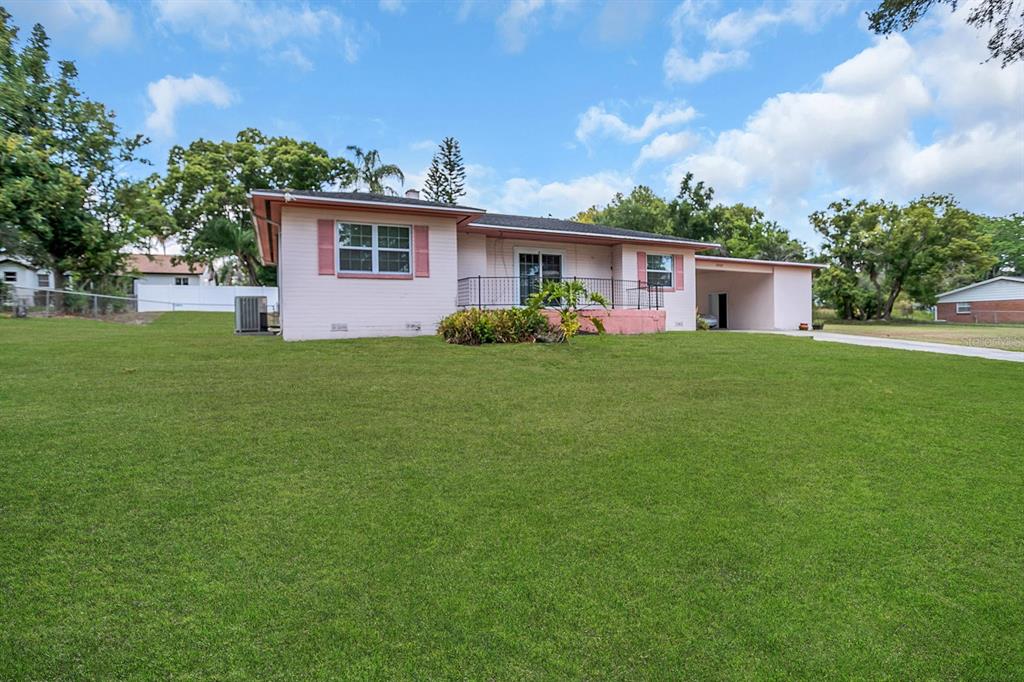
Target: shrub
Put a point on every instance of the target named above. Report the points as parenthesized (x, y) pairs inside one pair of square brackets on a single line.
[(569, 297), (504, 325)]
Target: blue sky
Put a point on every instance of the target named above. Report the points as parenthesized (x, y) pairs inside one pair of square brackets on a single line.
[(558, 105)]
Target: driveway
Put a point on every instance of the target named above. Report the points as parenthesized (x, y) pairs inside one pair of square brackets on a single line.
[(899, 344)]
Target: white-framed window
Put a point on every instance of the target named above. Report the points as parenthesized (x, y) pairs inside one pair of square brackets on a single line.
[(660, 271), (43, 278), (10, 276), (383, 249), (963, 308), (181, 281)]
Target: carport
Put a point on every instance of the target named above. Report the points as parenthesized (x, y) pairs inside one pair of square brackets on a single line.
[(754, 294)]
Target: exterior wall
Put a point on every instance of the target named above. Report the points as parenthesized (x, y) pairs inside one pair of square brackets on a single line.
[(991, 312), (315, 306), (472, 254), (578, 260), (618, 321), (681, 304), (1002, 290), (27, 277), (792, 297), (750, 297), (152, 279)]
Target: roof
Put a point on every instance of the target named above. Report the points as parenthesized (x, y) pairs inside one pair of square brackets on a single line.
[(758, 261), (24, 262), (150, 264), (362, 197), (1003, 278), (529, 223)]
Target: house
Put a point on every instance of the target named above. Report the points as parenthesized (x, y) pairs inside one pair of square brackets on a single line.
[(354, 264), (163, 270), (16, 271), (1000, 299)]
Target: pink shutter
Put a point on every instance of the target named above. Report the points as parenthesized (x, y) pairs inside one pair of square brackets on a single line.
[(325, 246), (421, 248), (678, 261), (641, 266)]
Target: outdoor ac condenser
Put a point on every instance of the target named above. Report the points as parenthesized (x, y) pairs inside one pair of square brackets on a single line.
[(251, 315)]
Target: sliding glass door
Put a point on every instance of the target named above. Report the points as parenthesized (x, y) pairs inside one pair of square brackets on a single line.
[(535, 268)]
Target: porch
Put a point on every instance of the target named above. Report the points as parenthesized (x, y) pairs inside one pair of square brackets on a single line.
[(502, 292)]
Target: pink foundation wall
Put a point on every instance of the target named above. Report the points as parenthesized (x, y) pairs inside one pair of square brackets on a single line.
[(619, 321)]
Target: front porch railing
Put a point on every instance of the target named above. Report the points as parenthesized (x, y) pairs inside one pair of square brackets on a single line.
[(503, 292)]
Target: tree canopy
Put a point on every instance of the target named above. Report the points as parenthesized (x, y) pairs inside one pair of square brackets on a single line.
[(1005, 18), (446, 179), (372, 174)]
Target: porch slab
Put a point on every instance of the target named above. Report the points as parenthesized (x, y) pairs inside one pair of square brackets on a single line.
[(619, 320)]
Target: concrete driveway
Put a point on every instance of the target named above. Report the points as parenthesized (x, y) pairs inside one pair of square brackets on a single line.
[(899, 344)]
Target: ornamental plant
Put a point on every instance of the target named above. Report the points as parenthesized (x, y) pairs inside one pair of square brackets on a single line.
[(569, 297)]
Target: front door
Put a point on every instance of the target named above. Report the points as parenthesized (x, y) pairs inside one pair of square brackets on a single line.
[(723, 311), (536, 268)]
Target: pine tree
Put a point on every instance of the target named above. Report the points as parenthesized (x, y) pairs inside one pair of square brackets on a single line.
[(446, 179)]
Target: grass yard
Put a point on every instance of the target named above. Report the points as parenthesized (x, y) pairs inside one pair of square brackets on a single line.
[(1004, 337), (177, 502)]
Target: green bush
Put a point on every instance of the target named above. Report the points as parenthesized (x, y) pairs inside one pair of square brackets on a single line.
[(505, 325)]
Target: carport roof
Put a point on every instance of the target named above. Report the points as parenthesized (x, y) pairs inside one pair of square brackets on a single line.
[(757, 261)]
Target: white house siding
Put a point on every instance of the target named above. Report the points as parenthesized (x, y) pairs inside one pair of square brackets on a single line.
[(792, 297), (26, 277), (579, 260), (1001, 290), (311, 303), (681, 304), (151, 279)]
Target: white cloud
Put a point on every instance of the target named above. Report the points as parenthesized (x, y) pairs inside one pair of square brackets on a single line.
[(897, 120), (392, 6), (170, 93), (623, 22), (98, 21), (296, 58), (230, 23), (559, 199), (667, 145), (523, 17), (422, 145), (726, 38), (681, 68), (597, 121)]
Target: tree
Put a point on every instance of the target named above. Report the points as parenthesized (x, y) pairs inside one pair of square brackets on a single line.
[(64, 191), (641, 209), (1007, 243), (693, 215), (372, 173), (876, 251), (207, 184), (446, 179), (1005, 17), (745, 232)]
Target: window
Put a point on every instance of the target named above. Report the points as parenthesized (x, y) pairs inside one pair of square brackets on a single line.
[(10, 276), (963, 308), (383, 249), (659, 271), (181, 281), (44, 280)]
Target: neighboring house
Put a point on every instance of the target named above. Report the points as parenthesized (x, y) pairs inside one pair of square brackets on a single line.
[(354, 264), (19, 275), (163, 270), (1000, 299)]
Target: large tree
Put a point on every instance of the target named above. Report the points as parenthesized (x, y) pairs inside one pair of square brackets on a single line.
[(878, 251), (694, 216), (207, 184), (641, 209), (1007, 235), (65, 199), (372, 174), (1005, 18), (446, 179)]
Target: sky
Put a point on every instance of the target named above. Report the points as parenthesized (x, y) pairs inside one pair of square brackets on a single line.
[(560, 104)]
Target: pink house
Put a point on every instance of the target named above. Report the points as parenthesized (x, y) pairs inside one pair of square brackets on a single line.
[(353, 264)]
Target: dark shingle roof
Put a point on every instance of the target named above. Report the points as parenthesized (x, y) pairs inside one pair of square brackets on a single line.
[(556, 225), (367, 196)]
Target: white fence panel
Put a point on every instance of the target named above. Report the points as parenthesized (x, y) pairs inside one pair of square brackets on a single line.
[(159, 297)]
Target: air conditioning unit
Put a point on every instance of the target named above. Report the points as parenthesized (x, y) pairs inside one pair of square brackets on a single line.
[(251, 315)]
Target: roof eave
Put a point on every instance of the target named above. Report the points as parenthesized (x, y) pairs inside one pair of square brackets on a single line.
[(688, 244)]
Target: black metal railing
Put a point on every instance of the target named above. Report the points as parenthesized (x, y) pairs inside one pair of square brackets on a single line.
[(502, 292)]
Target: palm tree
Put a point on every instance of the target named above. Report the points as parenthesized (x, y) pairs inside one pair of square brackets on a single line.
[(372, 173), (226, 238)]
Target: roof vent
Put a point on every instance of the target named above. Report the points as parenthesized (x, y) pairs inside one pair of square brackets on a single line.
[(412, 194)]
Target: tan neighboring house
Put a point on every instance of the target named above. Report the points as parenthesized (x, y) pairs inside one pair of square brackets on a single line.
[(161, 270)]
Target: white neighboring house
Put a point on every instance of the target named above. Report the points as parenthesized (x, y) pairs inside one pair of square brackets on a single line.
[(161, 270), (19, 272)]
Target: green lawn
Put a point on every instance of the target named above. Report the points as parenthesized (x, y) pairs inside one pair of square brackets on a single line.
[(179, 502), (1002, 336)]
